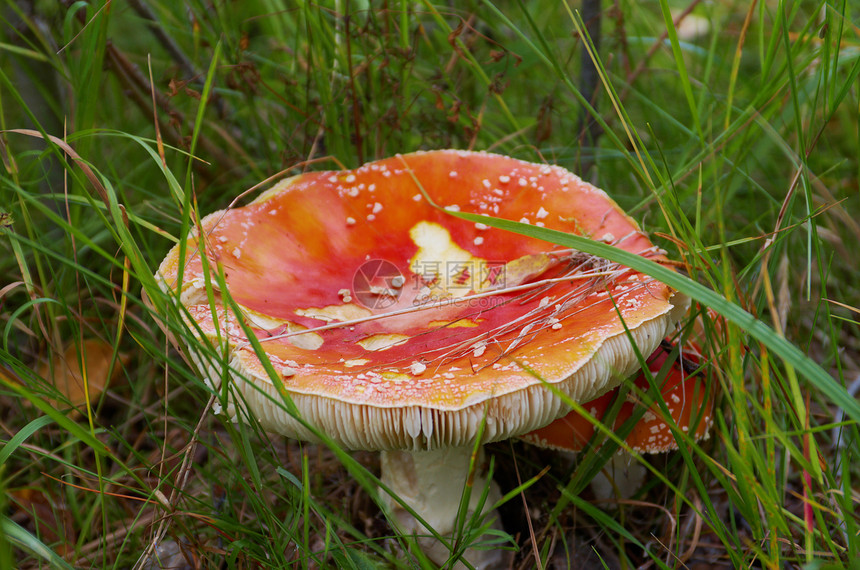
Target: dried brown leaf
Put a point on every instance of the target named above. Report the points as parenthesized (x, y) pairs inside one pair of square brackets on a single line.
[(50, 519), (67, 376)]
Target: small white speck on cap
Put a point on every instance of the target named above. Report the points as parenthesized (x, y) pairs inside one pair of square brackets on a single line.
[(453, 208), (416, 368), (344, 292), (417, 197), (556, 326), (541, 214), (524, 220), (480, 226), (377, 207), (522, 182), (332, 178), (479, 240), (397, 282), (608, 238), (273, 212), (350, 221), (222, 239), (504, 179), (237, 253), (370, 217), (452, 174), (486, 183), (350, 178)]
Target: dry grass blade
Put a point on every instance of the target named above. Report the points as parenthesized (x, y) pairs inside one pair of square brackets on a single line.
[(67, 148)]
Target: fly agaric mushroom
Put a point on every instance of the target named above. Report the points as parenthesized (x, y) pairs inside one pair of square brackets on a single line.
[(397, 327), (689, 404)]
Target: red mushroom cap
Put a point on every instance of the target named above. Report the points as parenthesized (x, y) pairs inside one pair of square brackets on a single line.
[(365, 245), (688, 399)]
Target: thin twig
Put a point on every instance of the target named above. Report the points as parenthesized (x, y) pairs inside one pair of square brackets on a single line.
[(181, 480), (185, 64), (140, 89)]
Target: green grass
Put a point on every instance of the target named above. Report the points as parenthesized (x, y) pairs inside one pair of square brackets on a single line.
[(737, 149)]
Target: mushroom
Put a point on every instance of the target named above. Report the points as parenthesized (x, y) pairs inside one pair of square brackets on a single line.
[(688, 403), (394, 326)]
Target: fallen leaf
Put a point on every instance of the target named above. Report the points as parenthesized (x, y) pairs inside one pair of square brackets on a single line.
[(64, 371), (50, 519)]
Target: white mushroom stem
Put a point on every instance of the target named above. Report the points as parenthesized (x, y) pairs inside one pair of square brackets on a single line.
[(432, 483)]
